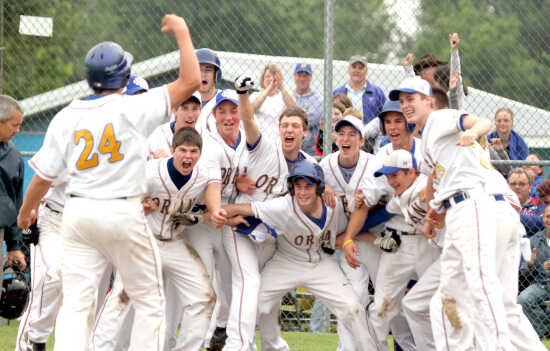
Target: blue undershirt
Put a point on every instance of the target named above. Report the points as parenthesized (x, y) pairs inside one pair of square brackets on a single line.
[(290, 163), (178, 179), (319, 221)]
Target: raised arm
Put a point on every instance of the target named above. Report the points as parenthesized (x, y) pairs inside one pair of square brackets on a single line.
[(474, 128), (408, 65), (189, 73), (456, 89), (243, 84), (288, 99)]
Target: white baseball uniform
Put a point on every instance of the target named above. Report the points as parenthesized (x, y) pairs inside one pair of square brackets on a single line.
[(266, 165), (468, 262), (206, 240), (45, 297), (359, 277), (181, 266), (101, 143), (299, 260), (522, 334)]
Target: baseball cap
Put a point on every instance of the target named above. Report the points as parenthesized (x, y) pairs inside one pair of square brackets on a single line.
[(358, 58), (352, 121), (398, 159), (226, 95), (303, 67), (135, 85), (412, 85), (196, 97)]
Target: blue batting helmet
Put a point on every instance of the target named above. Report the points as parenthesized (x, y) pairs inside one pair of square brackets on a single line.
[(311, 172), (208, 56), (107, 66), (392, 106)]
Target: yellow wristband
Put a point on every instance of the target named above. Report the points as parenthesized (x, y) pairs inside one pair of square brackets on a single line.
[(346, 242)]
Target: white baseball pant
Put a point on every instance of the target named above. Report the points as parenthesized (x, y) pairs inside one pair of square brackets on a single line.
[(395, 270), (96, 233), (326, 281), (522, 335), (247, 258), (369, 256), (45, 297), (471, 293), (208, 243)]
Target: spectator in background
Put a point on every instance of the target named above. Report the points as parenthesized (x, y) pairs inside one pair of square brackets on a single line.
[(310, 101), (271, 101), (537, 171), (337, 114), (520, 181), (426, 67), (11, 182), (512, 142), (538, 267), (365, 96), (343, 99)]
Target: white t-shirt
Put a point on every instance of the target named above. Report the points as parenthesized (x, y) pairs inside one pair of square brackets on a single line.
[(102, 144), (268, 114)]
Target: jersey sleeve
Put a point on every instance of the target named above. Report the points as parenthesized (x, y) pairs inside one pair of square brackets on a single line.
[(147, 111), (393, 206), (274, 212), (151, 174), (50, 161)]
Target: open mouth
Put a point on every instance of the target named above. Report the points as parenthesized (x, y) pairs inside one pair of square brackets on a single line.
[(289, 139), (345, 148), (186, 165)]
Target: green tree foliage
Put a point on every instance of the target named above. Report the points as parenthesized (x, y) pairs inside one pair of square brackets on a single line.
[(33, 65), (503, 48)]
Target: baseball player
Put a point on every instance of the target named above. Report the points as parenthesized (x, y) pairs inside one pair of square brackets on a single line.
[(187, 114), (267, 164), (100, 142), (306, 228), (211, 74), (469, 280), (45, 299)]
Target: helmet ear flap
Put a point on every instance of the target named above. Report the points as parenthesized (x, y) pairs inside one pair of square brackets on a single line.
[(290, 185)]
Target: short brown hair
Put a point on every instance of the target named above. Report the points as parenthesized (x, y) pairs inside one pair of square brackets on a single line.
[(352, 111), (521, 171), (340, 107), (298, 112), (187, 135), (343, 99)]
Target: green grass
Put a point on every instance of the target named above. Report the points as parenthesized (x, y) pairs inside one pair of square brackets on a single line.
[(296, 340)]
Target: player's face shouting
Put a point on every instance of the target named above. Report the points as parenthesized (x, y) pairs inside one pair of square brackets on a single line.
[(228, 119), (306, 194), (401, 180), (415, 107), (208, 72), (291, 130), (187, 115), (395, 126), (186, 157), (10, 127), (349, 141)]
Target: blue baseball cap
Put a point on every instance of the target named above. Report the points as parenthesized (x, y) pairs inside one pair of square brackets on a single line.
[(303, 67), (353, 121), (226, 95), (412, 85), (397, 160), (135, 85)]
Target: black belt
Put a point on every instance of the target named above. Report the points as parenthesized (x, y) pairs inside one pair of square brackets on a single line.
[(116, 198), (51, 209), (463, 196), (399, 232)]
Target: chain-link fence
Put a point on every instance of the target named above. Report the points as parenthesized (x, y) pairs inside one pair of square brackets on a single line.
[(503, 49)]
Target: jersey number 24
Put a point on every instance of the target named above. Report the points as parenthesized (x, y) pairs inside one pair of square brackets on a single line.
[(107, 145)]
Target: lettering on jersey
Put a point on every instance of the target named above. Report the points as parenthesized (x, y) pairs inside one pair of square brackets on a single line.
[(306, 240), (226, 175), (185, 206), (107, 145), (326, 238), (416, 212), (268, 182), (439, 171), (164, 209), (345, 203)]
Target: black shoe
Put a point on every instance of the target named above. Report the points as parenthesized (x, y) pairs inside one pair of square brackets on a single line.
[(217, 342), (38, 346)]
